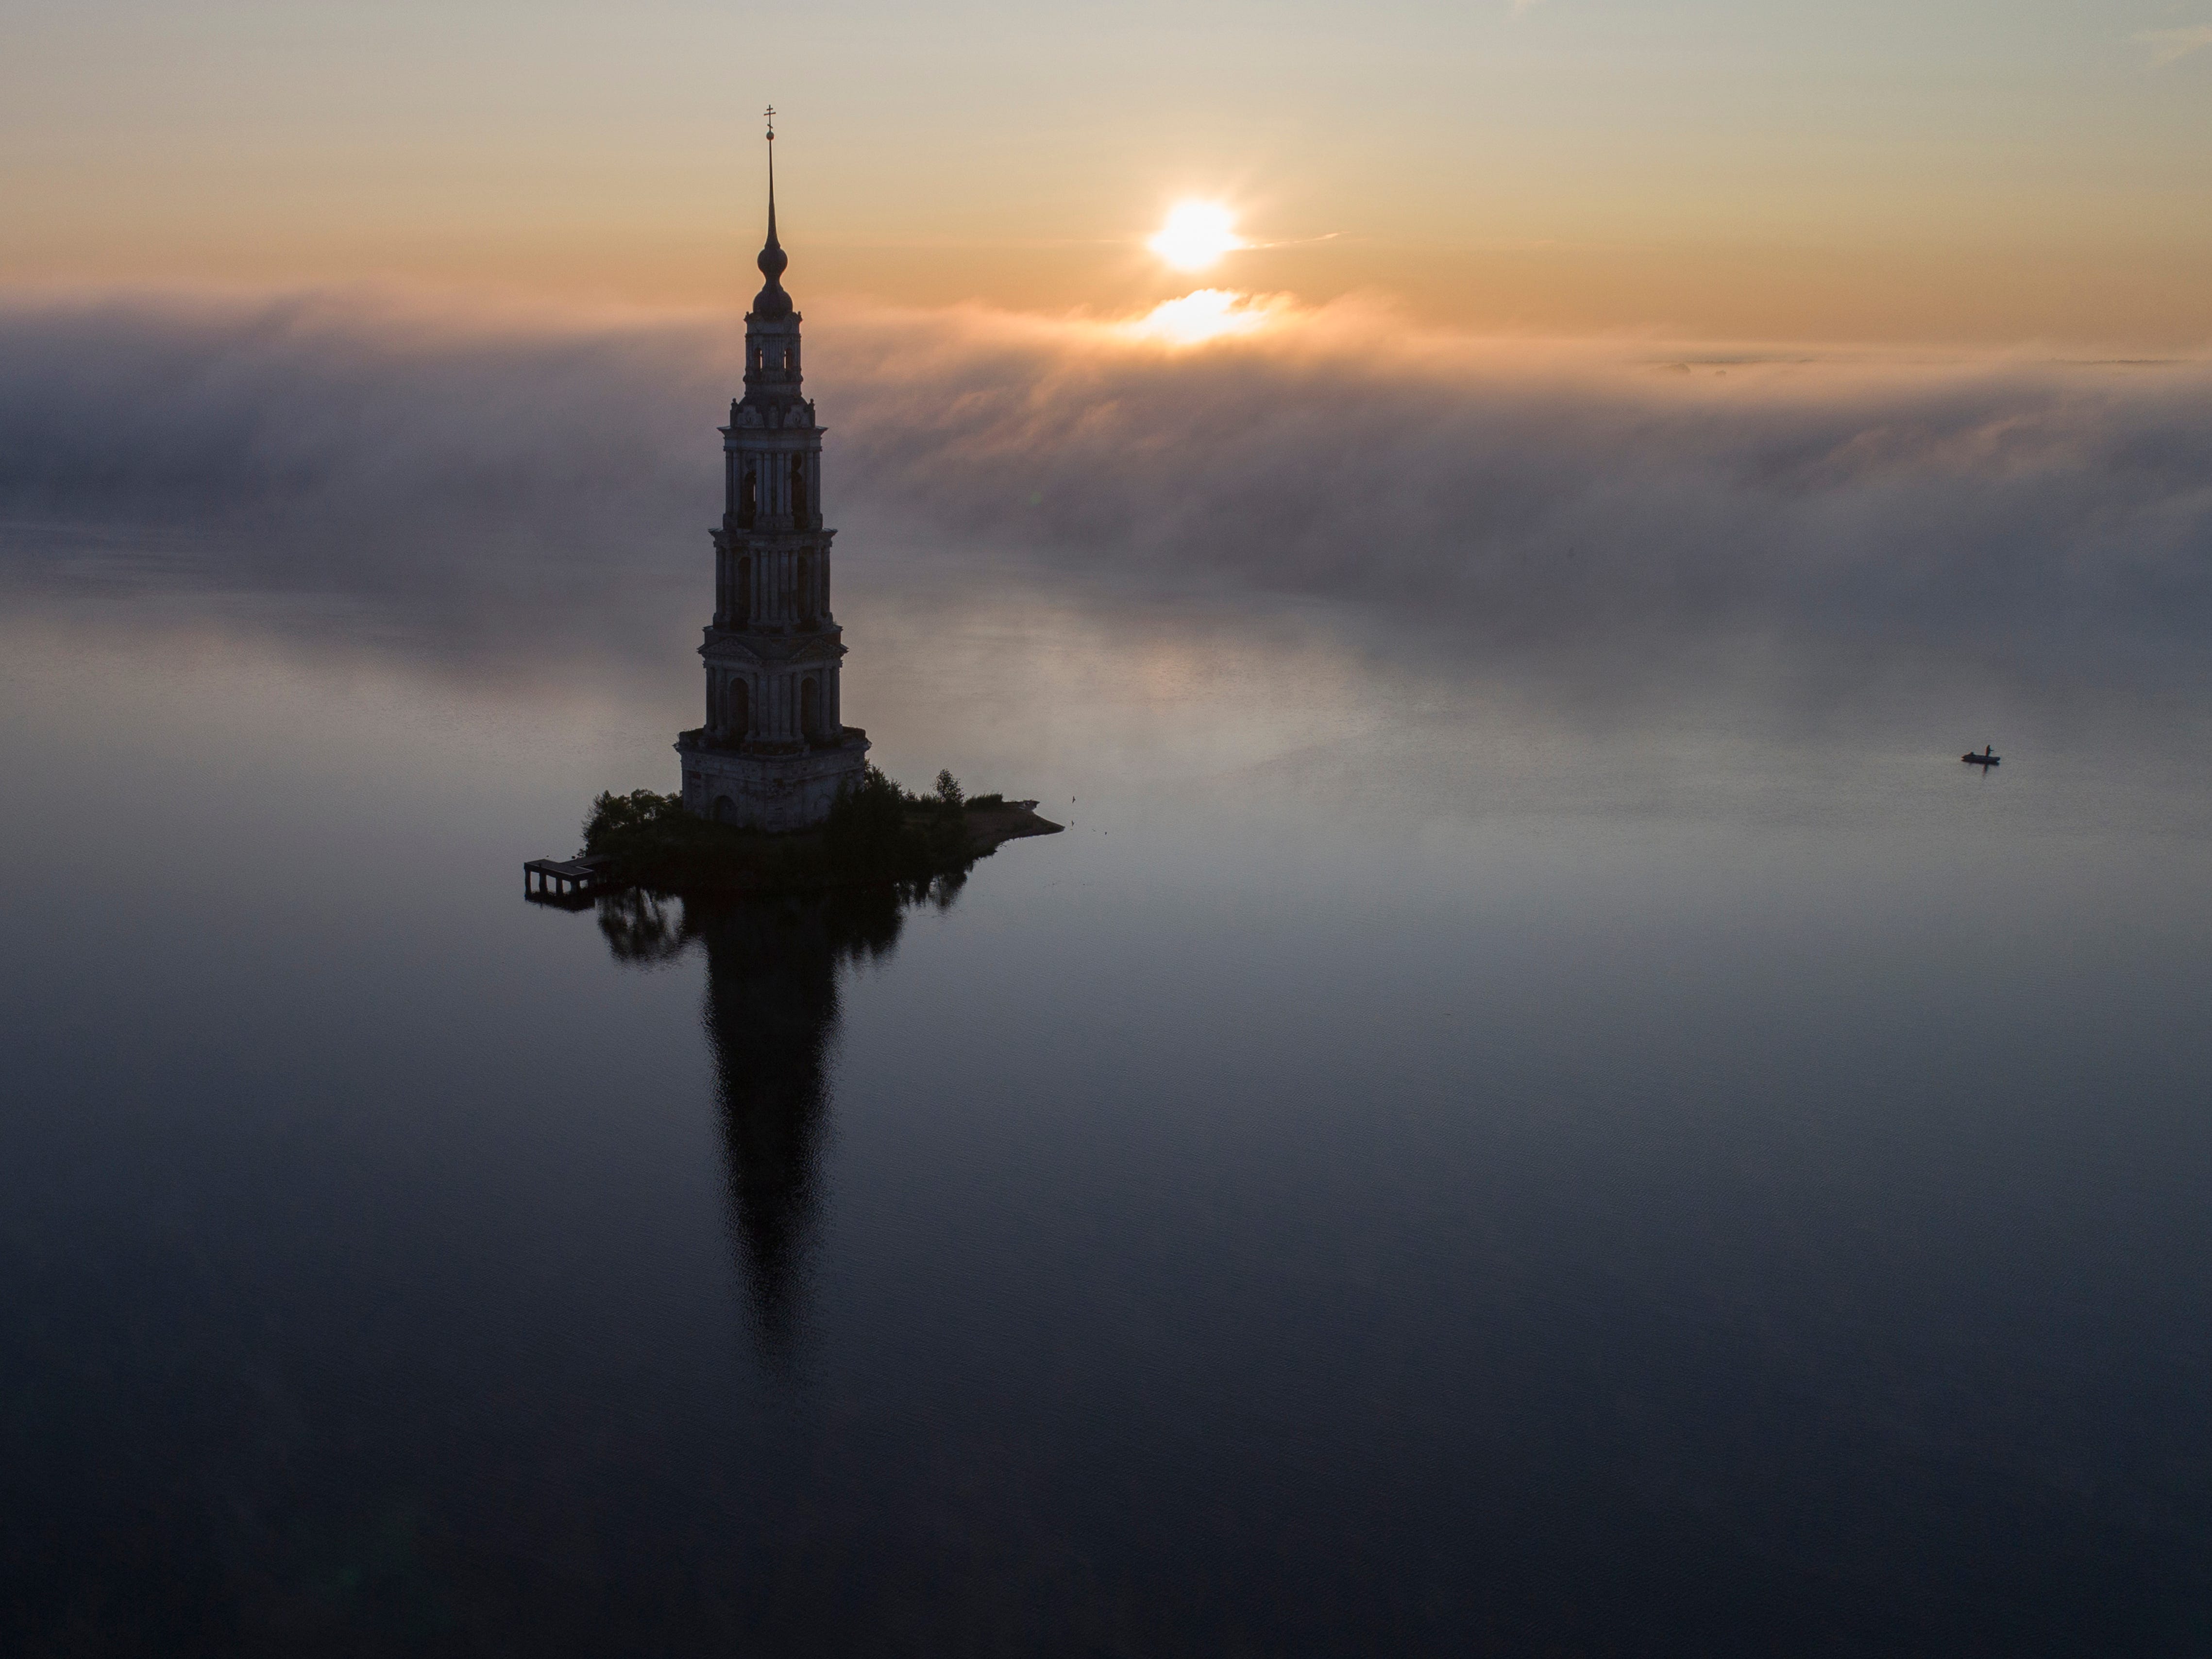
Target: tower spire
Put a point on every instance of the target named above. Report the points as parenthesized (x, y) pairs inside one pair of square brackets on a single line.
[(772, 259)]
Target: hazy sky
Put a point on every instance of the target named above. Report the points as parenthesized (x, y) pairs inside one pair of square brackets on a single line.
[(1913, 169)]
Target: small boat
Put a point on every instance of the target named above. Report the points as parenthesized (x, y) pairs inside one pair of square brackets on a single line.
[(1988, 757)]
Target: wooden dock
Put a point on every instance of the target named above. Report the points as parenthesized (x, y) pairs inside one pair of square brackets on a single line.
[(571, 884)]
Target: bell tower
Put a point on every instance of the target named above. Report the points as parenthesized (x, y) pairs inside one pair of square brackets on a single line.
[(774, 751)]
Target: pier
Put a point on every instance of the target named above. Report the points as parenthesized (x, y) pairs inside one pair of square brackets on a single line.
[(569, 882)]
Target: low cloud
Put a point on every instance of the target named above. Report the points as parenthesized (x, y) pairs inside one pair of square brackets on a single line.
[(486, 484), (2170, 45)]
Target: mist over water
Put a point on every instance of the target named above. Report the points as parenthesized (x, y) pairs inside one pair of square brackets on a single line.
[(477, 479), (1537, 1106)]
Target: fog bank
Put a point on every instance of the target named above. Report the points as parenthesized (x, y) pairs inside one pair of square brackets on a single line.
[(466, 475)]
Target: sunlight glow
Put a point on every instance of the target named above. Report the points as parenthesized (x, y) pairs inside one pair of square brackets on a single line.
[(1196, 234), (1210, 313)]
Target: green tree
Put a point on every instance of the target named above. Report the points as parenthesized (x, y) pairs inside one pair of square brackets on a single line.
[(613, 815)]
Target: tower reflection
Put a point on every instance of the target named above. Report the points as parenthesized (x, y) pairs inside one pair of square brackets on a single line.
[(774, 971)]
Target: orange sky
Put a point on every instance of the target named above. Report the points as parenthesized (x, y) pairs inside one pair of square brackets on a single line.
[(1950, 170)]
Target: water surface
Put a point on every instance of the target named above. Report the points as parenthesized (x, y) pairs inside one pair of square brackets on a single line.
[(1454, 1150)]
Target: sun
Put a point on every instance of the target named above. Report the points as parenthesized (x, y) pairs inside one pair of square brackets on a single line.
[(1196, 234)]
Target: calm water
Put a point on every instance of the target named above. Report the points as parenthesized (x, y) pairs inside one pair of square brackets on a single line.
[(1446, 1154)]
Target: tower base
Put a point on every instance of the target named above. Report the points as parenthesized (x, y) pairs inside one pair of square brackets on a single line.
[(769, 786)]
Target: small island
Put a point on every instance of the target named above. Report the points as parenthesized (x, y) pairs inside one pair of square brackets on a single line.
[(876, 833)]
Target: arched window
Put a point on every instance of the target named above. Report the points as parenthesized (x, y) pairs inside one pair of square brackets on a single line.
[(748, 500), (741, 602), (802, 583), (798, 489), (760, 358), (810, 708), (740, 710), (790, 359)]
